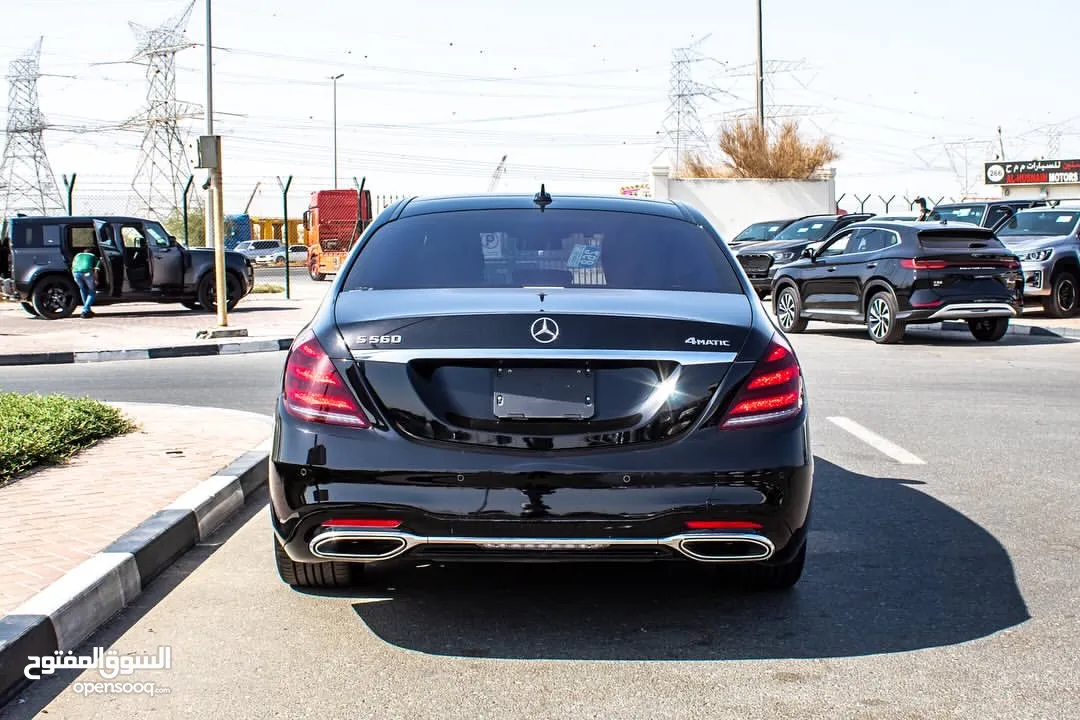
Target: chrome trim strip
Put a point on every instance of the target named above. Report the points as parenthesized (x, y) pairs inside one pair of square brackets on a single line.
[(675, 542), (972, 310), (402, 356)]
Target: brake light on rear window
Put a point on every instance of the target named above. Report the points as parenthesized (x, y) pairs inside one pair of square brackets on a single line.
[(314, 389), (772, 393)]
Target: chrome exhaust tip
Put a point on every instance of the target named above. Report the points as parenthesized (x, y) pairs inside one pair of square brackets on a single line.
[(726, 548), (357, 546)]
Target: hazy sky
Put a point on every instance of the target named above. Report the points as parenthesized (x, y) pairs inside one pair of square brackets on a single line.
[(575, 93)]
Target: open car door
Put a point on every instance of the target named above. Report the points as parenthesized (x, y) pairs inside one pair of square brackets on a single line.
[(112, 279)]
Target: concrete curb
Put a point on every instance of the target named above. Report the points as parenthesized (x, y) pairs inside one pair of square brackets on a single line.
[(1014, 329), (65, 614), (170, 351)]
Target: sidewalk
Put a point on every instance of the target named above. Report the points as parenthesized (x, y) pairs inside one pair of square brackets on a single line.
[(129, 331), (60, 516)]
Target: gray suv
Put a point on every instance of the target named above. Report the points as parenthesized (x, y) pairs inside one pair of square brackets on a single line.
[(1047, 241)]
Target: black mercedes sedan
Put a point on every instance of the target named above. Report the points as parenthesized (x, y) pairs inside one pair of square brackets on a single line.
[(890, 275), (520, 378)]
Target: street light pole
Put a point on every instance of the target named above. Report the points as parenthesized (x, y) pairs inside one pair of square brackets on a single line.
[(335, 78), (209, 234), (759, 84), (210, 157)]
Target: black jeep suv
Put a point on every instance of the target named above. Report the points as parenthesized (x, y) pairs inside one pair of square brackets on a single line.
[(142, 263)]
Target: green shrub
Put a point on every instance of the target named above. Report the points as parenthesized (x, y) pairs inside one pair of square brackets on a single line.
[(37, 430)]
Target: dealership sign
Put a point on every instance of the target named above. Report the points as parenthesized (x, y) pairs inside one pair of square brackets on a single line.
[(1033, 172)]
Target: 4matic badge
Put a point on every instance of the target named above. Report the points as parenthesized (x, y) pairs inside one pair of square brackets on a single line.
[(710, 343)]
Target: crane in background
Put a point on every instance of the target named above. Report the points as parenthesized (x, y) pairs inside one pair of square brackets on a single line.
[(496, 176)]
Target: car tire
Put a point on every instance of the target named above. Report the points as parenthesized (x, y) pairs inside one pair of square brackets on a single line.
[(55, 297), (787, 306), (207, 290), (29, 308), (988, 329), (327, 575), (881, 322), (772, 578), (1063, 301), (315, 275)]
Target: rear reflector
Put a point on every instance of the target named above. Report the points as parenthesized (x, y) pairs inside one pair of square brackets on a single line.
[(722, 525), (1010, 263), (772, 393), (314, 389), (361, 523), (914, 264)]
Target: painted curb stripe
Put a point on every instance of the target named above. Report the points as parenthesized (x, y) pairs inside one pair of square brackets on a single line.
[(22, 636), (212, 501), (86, 597), (68, 612), (176, 351)]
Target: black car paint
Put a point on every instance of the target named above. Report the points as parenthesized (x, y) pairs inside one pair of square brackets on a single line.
[(442, 479), (760, 264), (177, 270), (838, 290)]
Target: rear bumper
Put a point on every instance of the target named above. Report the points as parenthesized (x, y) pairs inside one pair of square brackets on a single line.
[(606, 505), (973, 310), (927, 306)]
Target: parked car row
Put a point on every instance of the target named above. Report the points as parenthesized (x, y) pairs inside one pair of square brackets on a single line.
[(978, 261)]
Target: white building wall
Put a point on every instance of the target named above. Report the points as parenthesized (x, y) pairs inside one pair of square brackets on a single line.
[(732, 204)]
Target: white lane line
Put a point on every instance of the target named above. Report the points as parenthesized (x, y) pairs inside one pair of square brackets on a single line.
[(877, 442)]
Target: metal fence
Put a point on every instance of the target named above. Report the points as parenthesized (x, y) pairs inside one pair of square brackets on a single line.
[(255, 209), (881, 204)]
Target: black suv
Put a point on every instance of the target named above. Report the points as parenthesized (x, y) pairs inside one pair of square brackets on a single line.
[(143, 263), (988, 213), (760, 260), (892, 274)]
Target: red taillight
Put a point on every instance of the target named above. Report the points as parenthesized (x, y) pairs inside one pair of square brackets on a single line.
[(361, 523), (1011, 264), (722, 525), (915, 264), (314, 389), (773, 392)]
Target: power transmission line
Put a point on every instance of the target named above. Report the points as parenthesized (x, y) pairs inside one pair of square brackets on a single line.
[(163, 166), (26, 178)]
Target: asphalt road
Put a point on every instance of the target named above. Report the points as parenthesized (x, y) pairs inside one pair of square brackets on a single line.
[(941, 581)]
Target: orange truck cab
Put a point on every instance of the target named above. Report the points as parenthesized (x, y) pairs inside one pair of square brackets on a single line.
[(332, 225)]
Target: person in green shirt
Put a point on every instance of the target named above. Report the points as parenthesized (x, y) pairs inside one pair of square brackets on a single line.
[(82, 267)]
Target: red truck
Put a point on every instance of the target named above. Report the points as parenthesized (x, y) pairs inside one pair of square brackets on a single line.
[(333, 223)]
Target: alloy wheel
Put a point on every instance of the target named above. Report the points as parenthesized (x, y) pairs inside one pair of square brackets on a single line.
[(785, 309), (879, 320), (1066, 294)]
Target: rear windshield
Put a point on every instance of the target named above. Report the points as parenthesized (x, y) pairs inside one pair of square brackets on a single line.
[(960, 213), (949, 240), (810, 229), (1042, 222), (529, 248)]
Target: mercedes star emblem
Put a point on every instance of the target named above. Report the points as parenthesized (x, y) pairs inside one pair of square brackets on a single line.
[(544, 330)]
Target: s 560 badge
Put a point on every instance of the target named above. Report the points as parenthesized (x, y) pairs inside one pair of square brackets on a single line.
[(378, 339)]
